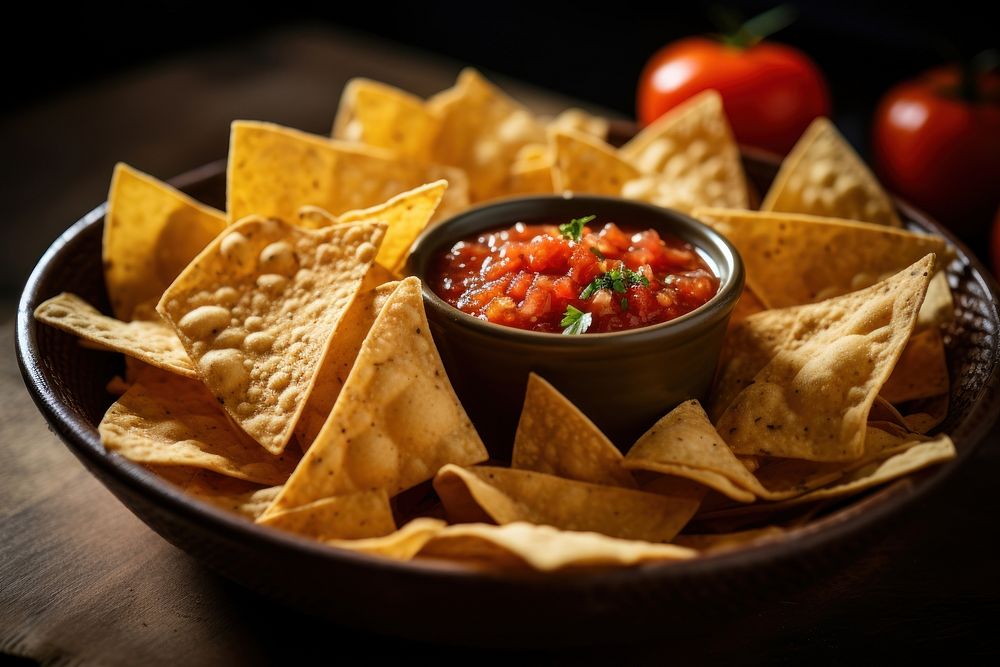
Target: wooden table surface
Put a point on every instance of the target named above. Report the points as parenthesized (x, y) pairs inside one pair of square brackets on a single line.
[(82, 581)]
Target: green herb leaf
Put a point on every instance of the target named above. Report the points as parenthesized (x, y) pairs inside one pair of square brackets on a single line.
[(624, 303), (573, 230), (575, 321), (618, 279), (597, 253)]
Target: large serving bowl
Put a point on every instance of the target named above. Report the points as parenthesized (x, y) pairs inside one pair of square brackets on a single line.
[(450, 602)]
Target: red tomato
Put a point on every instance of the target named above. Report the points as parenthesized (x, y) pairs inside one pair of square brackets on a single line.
[(942, 151), (771, 92)]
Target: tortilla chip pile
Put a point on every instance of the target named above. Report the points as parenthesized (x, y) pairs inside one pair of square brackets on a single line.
[(279, 368)]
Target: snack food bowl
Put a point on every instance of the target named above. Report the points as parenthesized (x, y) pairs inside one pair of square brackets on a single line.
[(646, 371), (449, 602)]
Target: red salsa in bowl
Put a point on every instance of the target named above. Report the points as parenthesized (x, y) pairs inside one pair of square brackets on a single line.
[(573, 276)]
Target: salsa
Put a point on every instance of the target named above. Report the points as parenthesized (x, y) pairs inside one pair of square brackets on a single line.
[(573, 277)]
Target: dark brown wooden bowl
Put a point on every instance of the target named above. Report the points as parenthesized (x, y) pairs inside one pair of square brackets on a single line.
[(456, 604)]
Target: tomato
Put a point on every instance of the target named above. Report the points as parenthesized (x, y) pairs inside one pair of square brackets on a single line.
[(771, 92), (940, 149)]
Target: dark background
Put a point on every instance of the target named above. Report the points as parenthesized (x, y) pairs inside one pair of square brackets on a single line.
[(57, 161)]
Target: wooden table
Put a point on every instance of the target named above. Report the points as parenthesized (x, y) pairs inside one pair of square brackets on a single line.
[(82, 581)]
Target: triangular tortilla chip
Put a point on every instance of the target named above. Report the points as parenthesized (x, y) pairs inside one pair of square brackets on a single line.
[(922, 370), (379, 115), (939, 306), (234, 495), (822, 175), (692, 156), (397, 419), (482, 130), (812, 399), (358, 515), (506, 495), (587, 165), (554, 437), (153, 342), (402, 544), (530, 177), (165, 419), (793, 258), (151, 232), (925, 414), (581, 121), (274, 170), (256, 311), (545, 548), (720, 542)]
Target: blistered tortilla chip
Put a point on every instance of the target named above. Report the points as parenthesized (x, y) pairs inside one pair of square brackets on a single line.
[(720, 542), (883, 412), (939, 306), (554, 437), (812, 399), (166, 419), (692, 157), (379, 115), (257, 309), (545, 548), (397, 419), (151, 232), (339, 360), (274, 170), (482, 130), (402, 544), (234, 495), (506, 495), (922, 370), (585, 164), (153, 342), (822, 175), (792, 258), (580, 121), (358, 515)]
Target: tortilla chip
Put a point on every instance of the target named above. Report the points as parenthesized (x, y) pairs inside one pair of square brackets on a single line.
[(339, 360), (584, 164), (530, 178), (939, 306), (922, 370), (822, 175), (152, 342), (545, 548), (165, 419), (151, 232), (234, 495), (579, 120), (721, 542), (257, 310), (397, 419), (379, 115), (359, 515), (812, 399), (482, 130), (883, 412), (691, 156), (506, 495), (554, 437), (793, 259), (923, 415), (274, 170), (402, 544), (749, 304)]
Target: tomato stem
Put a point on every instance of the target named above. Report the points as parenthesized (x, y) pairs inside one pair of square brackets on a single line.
[(754, 30)]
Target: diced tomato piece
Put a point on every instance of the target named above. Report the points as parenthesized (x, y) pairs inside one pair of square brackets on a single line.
[(519, 285)]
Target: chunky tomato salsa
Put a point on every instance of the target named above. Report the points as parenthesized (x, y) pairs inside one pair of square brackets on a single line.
[(573, 277)]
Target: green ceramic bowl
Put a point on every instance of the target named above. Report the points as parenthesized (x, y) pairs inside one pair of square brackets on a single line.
[(624, 381)]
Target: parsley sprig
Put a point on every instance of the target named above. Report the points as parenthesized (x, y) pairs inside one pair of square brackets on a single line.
[(575, 321), (573, 230), (617, 279)]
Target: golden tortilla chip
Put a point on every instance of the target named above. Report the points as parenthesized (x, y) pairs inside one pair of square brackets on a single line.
[(166, 419), (554, 437), (151, 232), (359, 515), (721, 542), (587, 165), (257, 309), (691, 156), (812, 399), (379, 115), (482, 130), (402, 544), (883, 412), (793, 259), (152, 342), (233, 495), (506, 495), (545, 548), (579, 120), (922, 370), (925, 414), (397, 419), (749, 304), (274, 170), (530, 178), (822, 175), (939, 306)]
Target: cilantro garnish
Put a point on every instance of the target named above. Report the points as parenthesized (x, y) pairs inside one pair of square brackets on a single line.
[(624, 303), (597, 253), (575, 321), (573, 230), (618, 280)]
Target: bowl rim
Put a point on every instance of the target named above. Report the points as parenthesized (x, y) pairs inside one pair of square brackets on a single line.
[(719, 305), (863, 514)]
